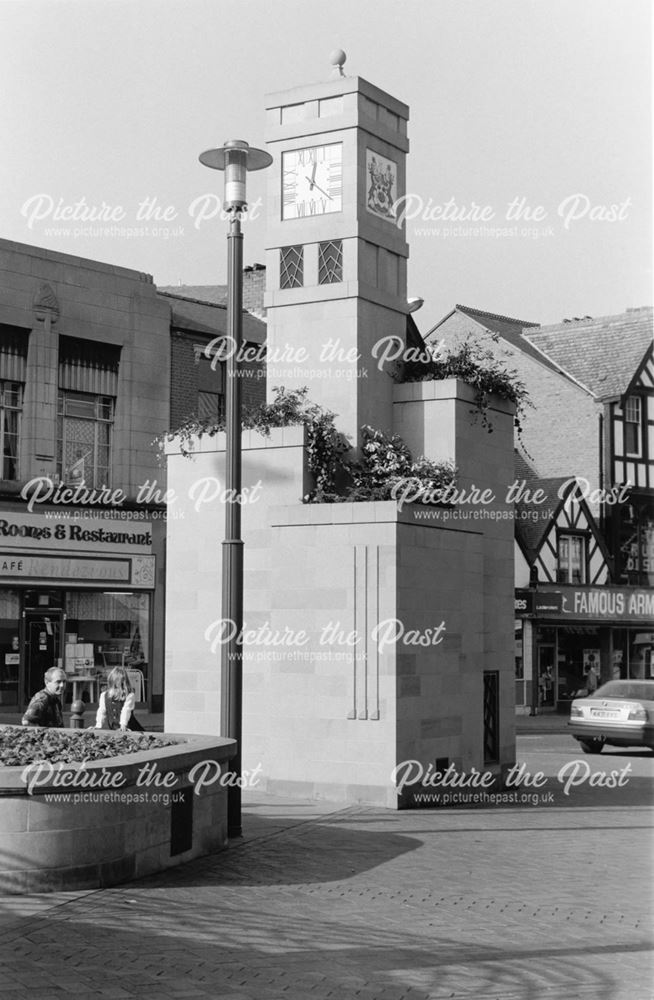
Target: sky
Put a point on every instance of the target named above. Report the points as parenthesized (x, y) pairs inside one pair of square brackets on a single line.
[(540, 108)]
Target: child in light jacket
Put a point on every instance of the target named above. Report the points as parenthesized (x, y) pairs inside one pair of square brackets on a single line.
[(116, 705)]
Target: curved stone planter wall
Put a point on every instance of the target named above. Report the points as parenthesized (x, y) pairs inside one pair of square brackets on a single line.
[(129, 824)]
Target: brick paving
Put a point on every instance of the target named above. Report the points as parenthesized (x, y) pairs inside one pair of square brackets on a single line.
[(315, 902)]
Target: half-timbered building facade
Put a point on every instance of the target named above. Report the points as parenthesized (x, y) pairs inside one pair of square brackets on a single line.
[(586, 579), (585, 558), (559, 549), (631, 442)]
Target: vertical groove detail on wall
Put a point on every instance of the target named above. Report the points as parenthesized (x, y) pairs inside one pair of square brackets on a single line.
[(352, 712), (374, 675), (359, 708), (365, 658), (363, 635)]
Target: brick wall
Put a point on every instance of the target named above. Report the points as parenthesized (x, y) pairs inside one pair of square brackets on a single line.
[(254, 285), (184, 372), (561, 430), (183, 378), (253, 387)]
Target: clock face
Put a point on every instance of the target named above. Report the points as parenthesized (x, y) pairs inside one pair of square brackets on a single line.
[(312, 181), (382, 185)]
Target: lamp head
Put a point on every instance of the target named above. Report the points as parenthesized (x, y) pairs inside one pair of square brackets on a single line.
[(235, 157)]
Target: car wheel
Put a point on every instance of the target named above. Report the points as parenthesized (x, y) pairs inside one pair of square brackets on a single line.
[(591, 746)]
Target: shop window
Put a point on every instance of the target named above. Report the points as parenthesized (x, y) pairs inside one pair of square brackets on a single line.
[(635, 544), (571, 567), (519, 658), (11, 404), (84, 429), (9, 646), (117, 625), (633, 427)]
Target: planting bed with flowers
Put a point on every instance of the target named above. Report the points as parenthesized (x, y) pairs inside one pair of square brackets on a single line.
[(27, 745)]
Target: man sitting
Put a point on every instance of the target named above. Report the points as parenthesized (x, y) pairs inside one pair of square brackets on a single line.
[(45, 707)]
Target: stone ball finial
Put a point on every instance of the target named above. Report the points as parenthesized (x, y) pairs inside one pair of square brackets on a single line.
[(337, 59)]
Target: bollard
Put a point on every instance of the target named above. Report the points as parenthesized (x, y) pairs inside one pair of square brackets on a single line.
[(77, 715)]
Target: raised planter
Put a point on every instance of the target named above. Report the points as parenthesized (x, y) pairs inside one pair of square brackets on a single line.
[(74, 826)]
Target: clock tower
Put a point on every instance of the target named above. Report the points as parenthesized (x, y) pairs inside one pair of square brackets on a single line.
[(336, 255)]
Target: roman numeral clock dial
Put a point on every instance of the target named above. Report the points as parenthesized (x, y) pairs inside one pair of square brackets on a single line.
[(312, 181)]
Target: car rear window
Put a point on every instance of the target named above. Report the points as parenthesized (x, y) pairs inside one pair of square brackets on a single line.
[(636, 690)]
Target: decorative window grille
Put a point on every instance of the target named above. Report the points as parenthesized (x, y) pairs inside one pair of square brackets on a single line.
[(84, 428), (291, 267), (571, 566), (330, 262), (632, 426), (11, 404), (491, 716)]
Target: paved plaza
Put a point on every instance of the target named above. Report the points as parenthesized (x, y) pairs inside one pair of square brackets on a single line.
[(547, 902)]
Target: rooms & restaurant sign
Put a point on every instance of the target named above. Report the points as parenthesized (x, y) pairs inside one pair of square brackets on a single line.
[(36, 548)]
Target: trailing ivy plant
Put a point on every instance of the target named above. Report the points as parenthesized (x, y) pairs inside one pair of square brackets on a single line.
[(385, 460), (479, 368), (325, 445), (386, 464)]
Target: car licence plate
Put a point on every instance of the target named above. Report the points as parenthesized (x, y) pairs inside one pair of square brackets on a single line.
[(598, 713)]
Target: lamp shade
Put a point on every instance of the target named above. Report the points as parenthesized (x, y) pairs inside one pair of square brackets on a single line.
[(236, 157)]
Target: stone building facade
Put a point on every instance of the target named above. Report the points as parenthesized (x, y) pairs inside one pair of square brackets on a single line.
[(95, 366)]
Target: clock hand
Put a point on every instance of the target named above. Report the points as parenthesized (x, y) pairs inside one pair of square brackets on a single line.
[(312, 181), (322, 191)]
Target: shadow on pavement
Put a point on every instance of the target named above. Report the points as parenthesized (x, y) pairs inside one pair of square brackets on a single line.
[(315, 851), (212, 944), (315, 907)]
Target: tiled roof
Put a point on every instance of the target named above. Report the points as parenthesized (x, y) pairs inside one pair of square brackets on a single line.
[(602, 354), (522, 468), (530, 529), (493, 321), (510, 329), (215, 294), (207, 318), (254, 280)]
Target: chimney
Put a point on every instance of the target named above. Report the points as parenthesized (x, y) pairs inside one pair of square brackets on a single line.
[(254, 283)]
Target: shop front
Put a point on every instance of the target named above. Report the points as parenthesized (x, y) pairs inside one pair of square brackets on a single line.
[(78, 593), (565, 635)]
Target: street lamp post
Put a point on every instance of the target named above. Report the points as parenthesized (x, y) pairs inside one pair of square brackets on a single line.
[(235, 158)]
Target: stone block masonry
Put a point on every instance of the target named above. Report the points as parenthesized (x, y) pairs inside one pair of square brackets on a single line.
[(368, 632)]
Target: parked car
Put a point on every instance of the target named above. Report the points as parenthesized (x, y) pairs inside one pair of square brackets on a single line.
[(619, 713)]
